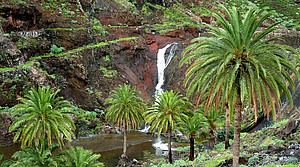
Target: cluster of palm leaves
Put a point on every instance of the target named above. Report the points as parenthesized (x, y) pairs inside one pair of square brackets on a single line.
[(41, 124), (43, 116), (46, 157)]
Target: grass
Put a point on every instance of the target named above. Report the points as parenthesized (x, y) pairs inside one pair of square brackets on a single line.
[(216, 161)]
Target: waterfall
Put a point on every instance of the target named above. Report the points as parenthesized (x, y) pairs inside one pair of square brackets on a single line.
[(161, 66)]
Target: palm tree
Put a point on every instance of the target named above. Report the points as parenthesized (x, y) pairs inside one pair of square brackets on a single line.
[(191, 127), (168, 109), (79, 158), (214, 118), (44, 116), (241, 63), (126, 109)]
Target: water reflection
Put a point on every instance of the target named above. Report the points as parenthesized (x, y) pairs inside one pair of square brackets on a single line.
[(110, 146)]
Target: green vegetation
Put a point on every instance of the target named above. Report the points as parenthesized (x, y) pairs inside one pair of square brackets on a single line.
[(50, 157), (126, 110), (253, 160), (35, 156), (108, 73), (190, 127), (168, 109), (55, 50), (79, 158), (43, 117), (235, 64)]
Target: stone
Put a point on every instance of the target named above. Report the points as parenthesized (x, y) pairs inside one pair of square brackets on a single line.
[(175, 34)]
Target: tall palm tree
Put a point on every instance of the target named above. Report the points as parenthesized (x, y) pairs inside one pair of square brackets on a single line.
[(43, 117), (168, 109), (126, 109), (79, 158), (192, 127), (243, 64)]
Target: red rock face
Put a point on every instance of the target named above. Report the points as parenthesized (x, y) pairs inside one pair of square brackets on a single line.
[(135, 61)]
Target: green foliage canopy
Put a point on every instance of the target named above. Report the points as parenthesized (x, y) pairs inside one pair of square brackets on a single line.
[(43, 116)]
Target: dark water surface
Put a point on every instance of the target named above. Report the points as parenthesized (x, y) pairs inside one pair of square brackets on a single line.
[(8, 151), (110, 146)]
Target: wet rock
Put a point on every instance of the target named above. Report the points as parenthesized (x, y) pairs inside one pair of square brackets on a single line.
[(292, 124), (8, 47), (175, 34), (274, 149), (106, 128), (125, 162), (20, 17), (6, 138), (93, 124)]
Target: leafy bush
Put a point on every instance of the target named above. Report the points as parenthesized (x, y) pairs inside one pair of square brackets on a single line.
[(220, 146), (79, 157), (5, 109), (292, 160), (253, 160), (283, 122), (187, 148), (222, 132), (55, 50), (177, 163)]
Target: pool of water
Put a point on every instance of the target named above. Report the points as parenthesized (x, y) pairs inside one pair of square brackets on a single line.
[(110, 146)]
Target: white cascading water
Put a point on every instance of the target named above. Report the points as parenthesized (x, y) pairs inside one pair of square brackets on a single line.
[(161, 65)]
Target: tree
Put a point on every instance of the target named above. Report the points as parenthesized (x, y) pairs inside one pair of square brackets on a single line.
[(191, 127), (243, 64), (213, 118), (79, 158), (44, 116), (126, 109), (168, 109)]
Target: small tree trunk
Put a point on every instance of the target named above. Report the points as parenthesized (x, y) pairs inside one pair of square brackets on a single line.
[(227, 126), (169, 144), (237, 131), (125, 144), (192, 138)]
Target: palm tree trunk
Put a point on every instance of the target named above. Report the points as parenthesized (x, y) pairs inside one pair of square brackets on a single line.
[(227, 126), (125, 144), (237, 131), (169, 144), (192, 138)]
